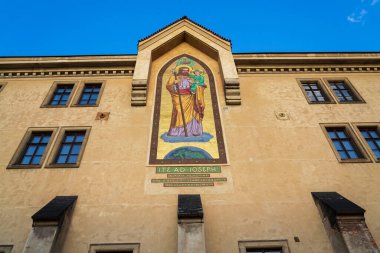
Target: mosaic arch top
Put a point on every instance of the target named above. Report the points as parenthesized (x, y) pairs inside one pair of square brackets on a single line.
[(186, 93)]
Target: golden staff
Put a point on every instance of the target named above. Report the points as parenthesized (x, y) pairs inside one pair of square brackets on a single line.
[(180, 104)]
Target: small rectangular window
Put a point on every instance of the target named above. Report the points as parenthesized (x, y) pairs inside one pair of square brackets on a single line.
[(33, 148), (371, 136), (2, 86), (345, 144), (69, 147), (89, 94), (264, 251), (271, 246), (314, 91), (344, 91), (60, 94), (115, 247), (6, 248)]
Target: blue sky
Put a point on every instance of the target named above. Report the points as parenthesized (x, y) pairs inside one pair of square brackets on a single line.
[(84, 27)]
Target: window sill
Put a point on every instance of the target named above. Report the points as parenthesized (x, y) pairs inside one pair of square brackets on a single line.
[(19, 166), (61, 166)]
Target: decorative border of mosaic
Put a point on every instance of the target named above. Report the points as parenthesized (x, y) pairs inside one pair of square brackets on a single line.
[(156, 117)]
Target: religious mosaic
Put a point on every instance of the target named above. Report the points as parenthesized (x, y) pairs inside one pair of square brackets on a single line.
[(186, 122)]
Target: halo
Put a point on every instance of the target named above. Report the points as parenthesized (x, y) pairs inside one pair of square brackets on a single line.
[(183, 66)]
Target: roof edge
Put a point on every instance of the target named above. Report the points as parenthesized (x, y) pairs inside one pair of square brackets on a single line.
[(179, 20)]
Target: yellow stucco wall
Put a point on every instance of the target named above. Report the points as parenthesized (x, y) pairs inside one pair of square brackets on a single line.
[(274, 165)]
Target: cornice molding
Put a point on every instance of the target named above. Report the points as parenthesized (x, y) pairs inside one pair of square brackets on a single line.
[(65, 73), (309, 69)]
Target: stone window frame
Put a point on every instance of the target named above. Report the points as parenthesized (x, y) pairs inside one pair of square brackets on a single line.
[(2, 86), (355, 139), (6, 248), (264, 245), (327, 91), (57, 144), (49, 96), (81, 86), (356, 126), (359, 100), (101, 247), (13, 164)]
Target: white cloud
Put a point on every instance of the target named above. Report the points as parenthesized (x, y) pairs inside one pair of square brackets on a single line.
[(358, 17)]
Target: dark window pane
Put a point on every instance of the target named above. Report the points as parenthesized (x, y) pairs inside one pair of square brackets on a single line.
[(40, 150), (45, 139), (365, 134), (30, 150), (79, 138), (342, 154), (72, 159), (341, 134), (373, 134), (36, 159), (62, 159), (347, 145), (36, 139), (26, 159), (353, 154), (371, 144), (65, 149), (337, 145), (69, 138), (76, 149)]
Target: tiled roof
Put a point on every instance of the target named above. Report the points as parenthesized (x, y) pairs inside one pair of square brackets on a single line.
[(180, 19)]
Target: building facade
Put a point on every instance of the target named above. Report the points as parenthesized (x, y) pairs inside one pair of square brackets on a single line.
[(188, 147)]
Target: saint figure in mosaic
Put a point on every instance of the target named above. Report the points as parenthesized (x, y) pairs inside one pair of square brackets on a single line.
[(186, 87)]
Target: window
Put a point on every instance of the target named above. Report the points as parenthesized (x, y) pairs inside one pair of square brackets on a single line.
[(2, 86), (344, 91), (264, 251), (69, 147), (89, 94), (344, 143), (275, 246), (314, 91), (371, 136), (59, 94), (5, 248), (115, 248), (33, 148)]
